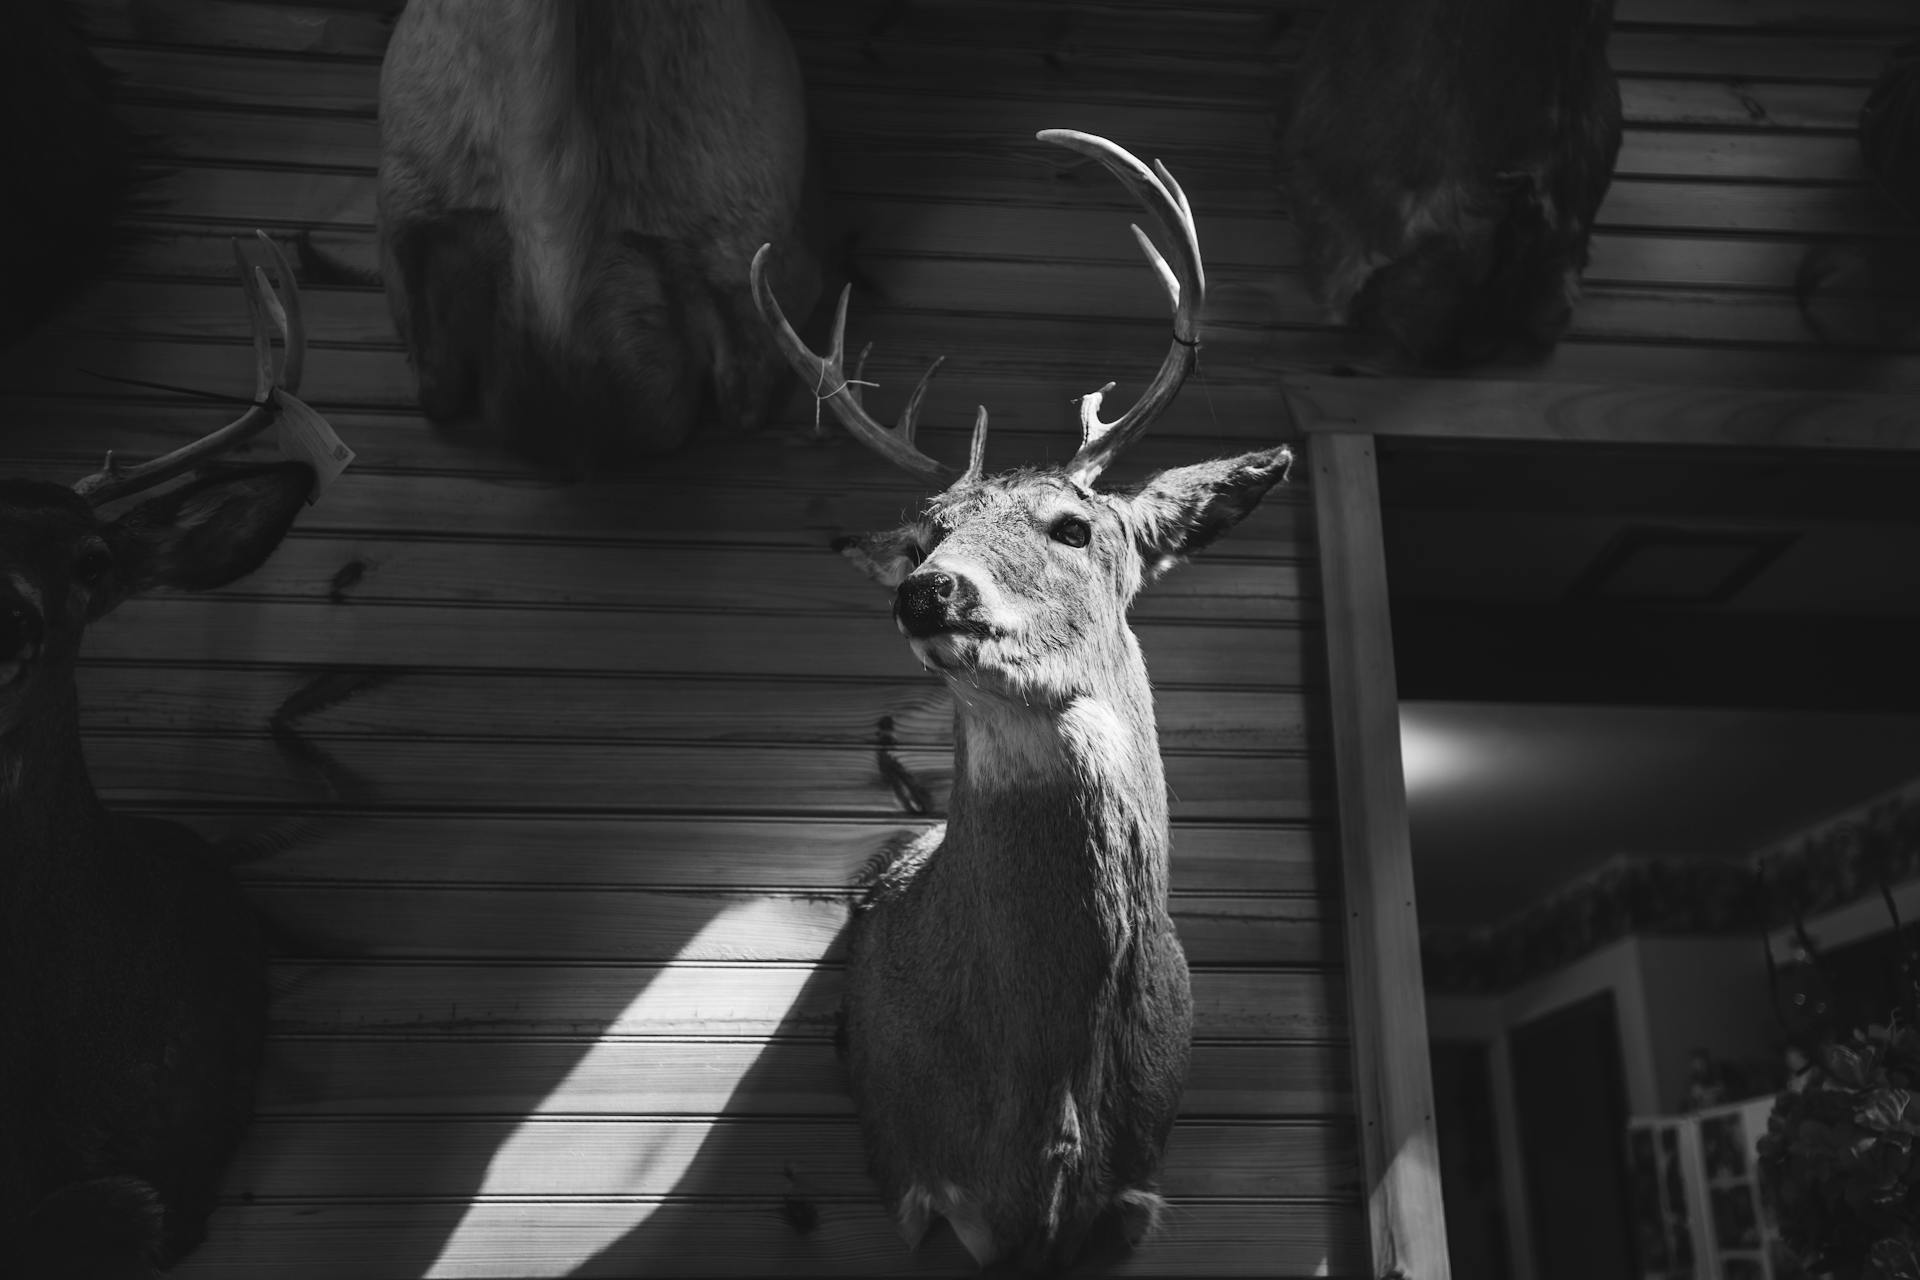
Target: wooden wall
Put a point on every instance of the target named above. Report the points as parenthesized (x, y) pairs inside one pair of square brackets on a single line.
[(558, 979), (559, 970)]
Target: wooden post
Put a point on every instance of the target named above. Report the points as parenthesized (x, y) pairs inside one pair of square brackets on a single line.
[(1393, 1081)]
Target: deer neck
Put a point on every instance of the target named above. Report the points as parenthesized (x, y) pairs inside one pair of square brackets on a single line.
[(1061, 807), (47, 803)]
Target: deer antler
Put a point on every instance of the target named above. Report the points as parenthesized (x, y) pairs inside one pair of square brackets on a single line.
[(1186, 285), (828, 379), (113, 482)]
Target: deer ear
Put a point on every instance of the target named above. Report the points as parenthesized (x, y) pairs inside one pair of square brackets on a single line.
[(886, 557), (1180, 511), (210, 531)]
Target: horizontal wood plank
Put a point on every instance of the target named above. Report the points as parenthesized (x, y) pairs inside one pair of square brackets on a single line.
[(647, 1238), (901, 159), (779, 581), (418, 704), (1076, 44), (558, 1158), (1626, 258), (1003, 96), (779, 487), (610, 777), (751, 1001), (1700, 415), (324, 1076), (523, 923), (1770, 354), (706, 852), (229, 628), (1237, 309)]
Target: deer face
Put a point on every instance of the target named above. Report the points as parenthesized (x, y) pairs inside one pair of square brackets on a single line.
[(1019, 584), (63, 565)]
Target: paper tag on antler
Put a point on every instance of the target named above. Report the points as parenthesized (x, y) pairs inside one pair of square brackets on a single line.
[(306, 437)]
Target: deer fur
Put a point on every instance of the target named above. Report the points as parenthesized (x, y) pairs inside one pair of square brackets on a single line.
[(569, 196), (1446, 159), (135, 980), (1017, 1015)]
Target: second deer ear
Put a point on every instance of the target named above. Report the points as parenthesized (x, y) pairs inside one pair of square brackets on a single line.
[(886, 557), (210, 531), (1180, 511)]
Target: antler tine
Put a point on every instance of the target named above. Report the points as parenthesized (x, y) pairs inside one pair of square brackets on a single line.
[(1186, 285), (827, 377), (910, 416), (976, 450), (113, 482)]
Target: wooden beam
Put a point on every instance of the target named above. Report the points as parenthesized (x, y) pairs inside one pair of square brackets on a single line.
[(1393, 1083), (1489, 409)]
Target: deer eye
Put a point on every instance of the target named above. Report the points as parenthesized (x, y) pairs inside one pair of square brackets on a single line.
[(91, 565), (1071, 530)]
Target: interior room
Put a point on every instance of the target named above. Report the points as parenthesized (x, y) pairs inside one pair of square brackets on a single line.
[(1653, 705)]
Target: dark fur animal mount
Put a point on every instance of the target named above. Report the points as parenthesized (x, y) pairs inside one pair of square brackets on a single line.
[(67, 157), (135, 984), (570, 194), (1018, 1012), (1446, 160)]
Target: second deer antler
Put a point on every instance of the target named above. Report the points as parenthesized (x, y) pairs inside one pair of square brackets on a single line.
[(1186, 285), (113, 482)]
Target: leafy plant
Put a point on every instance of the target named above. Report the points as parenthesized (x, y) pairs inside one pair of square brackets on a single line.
[(1841, 1158)]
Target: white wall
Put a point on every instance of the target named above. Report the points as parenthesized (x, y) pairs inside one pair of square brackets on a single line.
[(1670, 995), (1862, 919), (1708, 993)]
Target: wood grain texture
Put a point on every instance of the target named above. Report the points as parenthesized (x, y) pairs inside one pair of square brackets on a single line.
[(342, 1075), (714, 999), (1213, 44), (1809, 418), (353, 1240), (1683, 349), (785, 853), (565, 1157), (424, 704), (526, 923), (233, 628), (916, 95), (1399, 1153), (998, 159), (777, 581), (485, 775), (1740, 259), (1237, 304)]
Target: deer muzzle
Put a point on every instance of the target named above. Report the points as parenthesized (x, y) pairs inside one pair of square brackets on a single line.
[(932, 601)]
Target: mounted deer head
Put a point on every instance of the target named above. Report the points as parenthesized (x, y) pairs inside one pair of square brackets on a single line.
[(569, 194), (136, 987), (1017, 1007), (1446, 159)]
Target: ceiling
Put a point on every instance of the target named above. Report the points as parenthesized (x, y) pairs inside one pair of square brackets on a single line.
[(1506, 801), (1606, 651)]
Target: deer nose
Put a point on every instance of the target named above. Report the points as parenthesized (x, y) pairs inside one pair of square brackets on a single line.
[(922, 602)]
